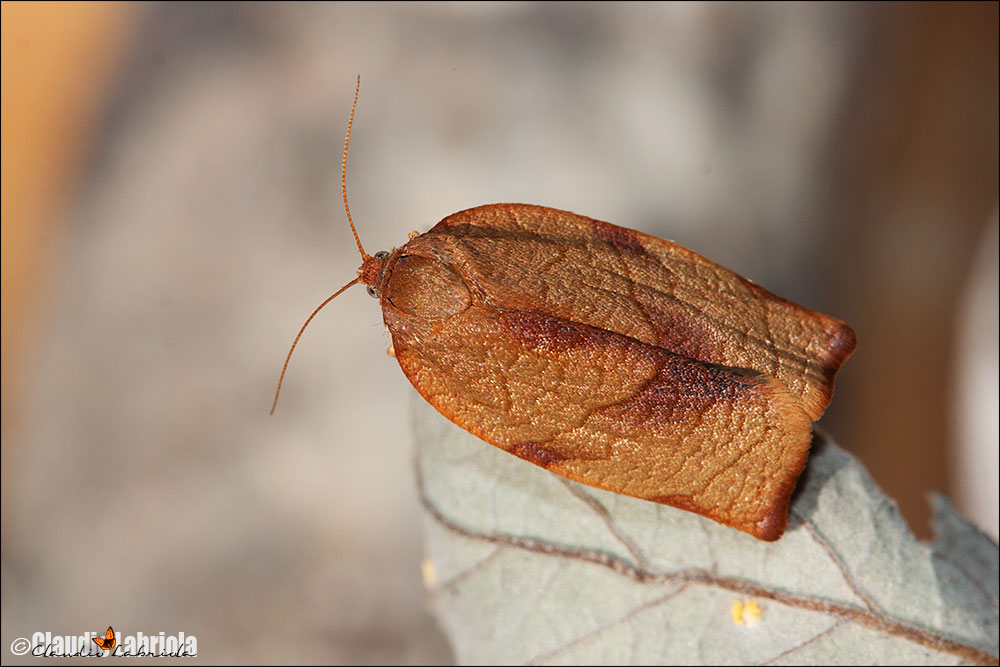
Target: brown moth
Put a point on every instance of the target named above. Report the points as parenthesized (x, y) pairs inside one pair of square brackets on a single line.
[(611, 357)]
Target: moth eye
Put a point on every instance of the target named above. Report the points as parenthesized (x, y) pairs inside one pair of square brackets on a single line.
[(371, 290), (381, 254)]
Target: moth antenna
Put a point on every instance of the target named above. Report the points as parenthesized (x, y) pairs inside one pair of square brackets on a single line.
[(343, 170), (295, 342), (364, 256)]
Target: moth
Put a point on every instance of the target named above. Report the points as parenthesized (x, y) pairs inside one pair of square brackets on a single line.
[(613, 358)]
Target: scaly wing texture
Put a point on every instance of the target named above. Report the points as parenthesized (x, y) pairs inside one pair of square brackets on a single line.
[(612, 412), (655, 291)]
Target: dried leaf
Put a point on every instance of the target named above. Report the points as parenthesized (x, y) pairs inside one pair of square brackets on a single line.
[(532, 568)]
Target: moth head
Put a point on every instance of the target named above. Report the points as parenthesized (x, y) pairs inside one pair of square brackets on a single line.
[(371, 272)]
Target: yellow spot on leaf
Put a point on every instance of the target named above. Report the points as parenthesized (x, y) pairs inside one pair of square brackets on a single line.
[(746, 613)]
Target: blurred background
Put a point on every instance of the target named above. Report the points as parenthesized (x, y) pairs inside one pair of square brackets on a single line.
[(171, 213)]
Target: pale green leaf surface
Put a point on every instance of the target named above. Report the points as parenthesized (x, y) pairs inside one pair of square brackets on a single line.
[(529, 567)]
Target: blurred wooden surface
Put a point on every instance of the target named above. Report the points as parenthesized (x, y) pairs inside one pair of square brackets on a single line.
[(913, 189), (59, 63)]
